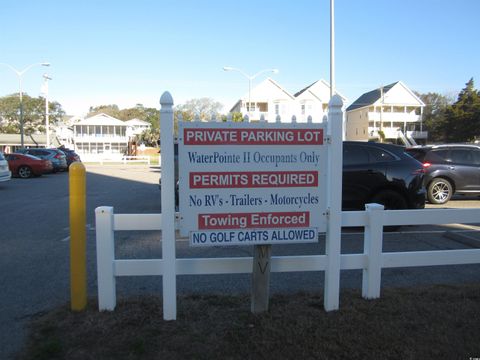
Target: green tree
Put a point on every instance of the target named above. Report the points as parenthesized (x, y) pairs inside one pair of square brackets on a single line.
[(149, 137), (463, 117), (140, 112), (111, 110), (434, 114), (33, 113), (204, 108)]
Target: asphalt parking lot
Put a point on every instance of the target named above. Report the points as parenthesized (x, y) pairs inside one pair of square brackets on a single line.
[(35, 247)]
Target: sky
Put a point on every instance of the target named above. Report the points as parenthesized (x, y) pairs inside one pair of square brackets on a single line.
[(130, 52)]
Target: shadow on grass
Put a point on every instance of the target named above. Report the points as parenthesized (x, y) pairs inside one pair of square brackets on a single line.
[(437, 322)]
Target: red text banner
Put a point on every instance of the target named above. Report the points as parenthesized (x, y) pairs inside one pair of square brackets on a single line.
[(257, 220), (212, 136), (252, 179)]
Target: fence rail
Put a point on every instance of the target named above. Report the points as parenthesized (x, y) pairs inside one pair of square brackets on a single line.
[(371, 261), (122, 159)]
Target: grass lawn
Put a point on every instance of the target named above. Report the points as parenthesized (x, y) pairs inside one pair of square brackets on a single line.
[(437, 322)]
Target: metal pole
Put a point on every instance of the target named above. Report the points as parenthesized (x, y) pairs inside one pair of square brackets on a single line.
[(19, 74), (46, 77), (249, 97), (332, 49), (22, 143)]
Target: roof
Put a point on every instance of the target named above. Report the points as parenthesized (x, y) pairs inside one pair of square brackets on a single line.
[(372, 97), (28, 140), (261, 92), (320, 90), (369, 98), (136, 122), (101, 119)]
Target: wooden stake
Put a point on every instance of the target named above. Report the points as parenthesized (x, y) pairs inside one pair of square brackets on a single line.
[(261, 278)]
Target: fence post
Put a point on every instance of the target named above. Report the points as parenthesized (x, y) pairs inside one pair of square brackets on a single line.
[(373, 240), (168, 207), (107, 298), (334, 204)]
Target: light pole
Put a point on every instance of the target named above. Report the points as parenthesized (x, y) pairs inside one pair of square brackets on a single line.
[(250, 79), (20, 74), (45, 91)]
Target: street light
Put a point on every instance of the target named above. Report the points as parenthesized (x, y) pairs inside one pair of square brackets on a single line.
[(45, 91), (20, 74), (250, 79)]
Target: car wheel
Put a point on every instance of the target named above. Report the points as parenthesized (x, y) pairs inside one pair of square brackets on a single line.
[(391, 200), (25, 172), (439, 191)]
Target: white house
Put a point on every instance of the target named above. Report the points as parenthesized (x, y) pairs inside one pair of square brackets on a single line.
[(313, 101), (268, 99), (100, 136), (136, 127), (392, 110)]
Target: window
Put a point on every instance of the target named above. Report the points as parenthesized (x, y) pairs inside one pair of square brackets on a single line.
[(354, 155), (379, 155), (277, 109), (438, 156), (462, 156), (303, 109)]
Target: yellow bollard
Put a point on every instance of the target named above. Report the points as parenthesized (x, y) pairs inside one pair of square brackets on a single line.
[(78, 244)]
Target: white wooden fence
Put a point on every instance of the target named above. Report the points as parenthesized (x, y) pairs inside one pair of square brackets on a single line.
[(371, 261), (126, 159)]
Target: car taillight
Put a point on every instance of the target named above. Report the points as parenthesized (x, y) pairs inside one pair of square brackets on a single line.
[(426, 165), (58, 156), (418, 171)]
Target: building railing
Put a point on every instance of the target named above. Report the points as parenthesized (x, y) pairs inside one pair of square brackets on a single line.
[(395, 117)]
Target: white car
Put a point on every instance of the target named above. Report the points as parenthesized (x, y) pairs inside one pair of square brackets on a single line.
[(5, 173)]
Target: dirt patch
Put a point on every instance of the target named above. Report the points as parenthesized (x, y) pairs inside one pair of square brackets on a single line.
[(439, 322)]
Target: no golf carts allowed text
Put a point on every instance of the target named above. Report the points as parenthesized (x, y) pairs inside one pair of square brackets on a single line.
[(253, 236)]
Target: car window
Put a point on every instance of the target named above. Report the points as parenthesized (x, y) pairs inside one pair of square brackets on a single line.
[(438, 156), (476, 157), (462, 156), (416, 154), (353, 155), (379, 155)]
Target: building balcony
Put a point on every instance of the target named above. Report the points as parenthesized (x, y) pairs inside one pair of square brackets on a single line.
[(417, 134), (394, 117), (97, 138)]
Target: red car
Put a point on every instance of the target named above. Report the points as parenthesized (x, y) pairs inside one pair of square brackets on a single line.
[(25, 166)]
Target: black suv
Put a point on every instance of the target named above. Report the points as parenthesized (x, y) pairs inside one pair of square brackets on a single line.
[(450, 169), (381, 173)]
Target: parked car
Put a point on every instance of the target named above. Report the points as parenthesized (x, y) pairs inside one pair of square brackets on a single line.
[(5, 173), (26, 166), (449, 169), (70, 154), (381, 173), (57, 157), (373, 173)]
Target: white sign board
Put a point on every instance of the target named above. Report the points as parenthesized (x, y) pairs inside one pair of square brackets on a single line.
[(255, 184)]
